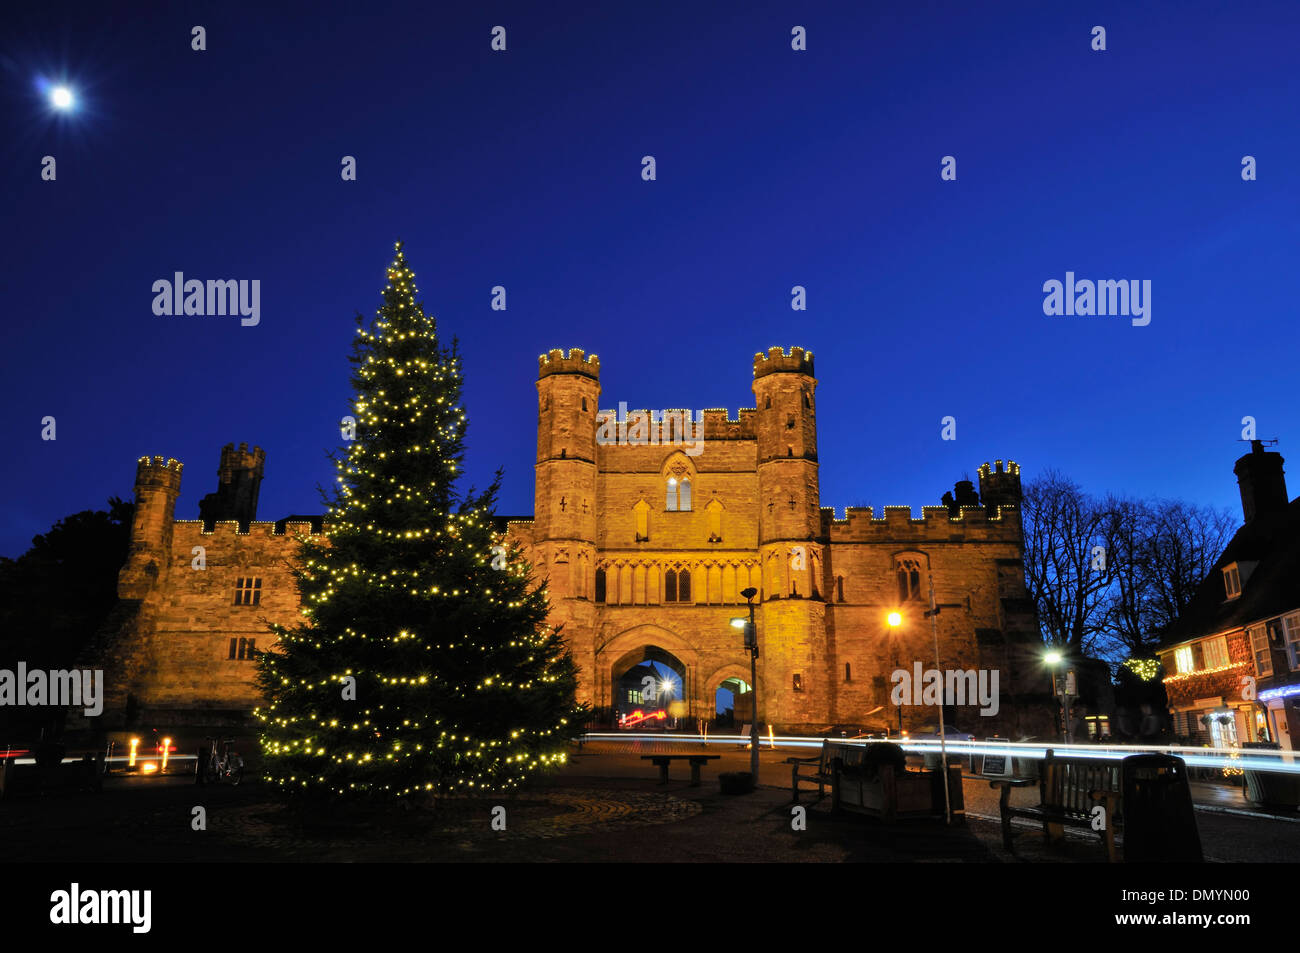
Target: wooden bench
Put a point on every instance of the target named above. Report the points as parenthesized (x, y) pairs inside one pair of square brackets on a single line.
[(697, 761), (816, 770), (1068, 790), (874, 780)]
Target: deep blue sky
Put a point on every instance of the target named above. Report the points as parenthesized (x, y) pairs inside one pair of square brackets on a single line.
[(775, 168)]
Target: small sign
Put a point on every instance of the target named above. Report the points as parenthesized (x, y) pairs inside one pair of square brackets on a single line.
[(996, 765)]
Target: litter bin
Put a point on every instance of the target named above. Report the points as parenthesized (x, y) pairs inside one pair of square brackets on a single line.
[(1159, 821), (1271, 788)]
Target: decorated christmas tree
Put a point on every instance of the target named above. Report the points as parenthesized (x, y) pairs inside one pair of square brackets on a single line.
[(424, 663)]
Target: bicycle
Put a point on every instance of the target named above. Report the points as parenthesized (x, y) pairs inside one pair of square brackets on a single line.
[(223, 763)]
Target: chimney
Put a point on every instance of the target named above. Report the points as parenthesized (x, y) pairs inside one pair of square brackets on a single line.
[(1263, 486)]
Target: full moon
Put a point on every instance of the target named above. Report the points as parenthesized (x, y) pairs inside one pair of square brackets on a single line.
[(61, 97)]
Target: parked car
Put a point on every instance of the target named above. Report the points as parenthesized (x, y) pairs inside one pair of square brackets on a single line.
[(932, 754)]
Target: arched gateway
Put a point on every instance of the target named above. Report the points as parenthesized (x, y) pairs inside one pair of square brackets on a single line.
[(650, 643)]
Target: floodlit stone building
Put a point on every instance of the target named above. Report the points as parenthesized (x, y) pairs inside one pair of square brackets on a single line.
[(647, 546)]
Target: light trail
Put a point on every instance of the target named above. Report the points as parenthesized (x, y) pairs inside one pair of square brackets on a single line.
[(1275, 761)]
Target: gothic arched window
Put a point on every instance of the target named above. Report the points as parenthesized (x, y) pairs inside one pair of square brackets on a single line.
[(678, 472), (677, 585), (909, 579), (600, 585), (679, 495)]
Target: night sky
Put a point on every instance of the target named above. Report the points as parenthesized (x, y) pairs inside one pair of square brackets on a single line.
[(775, 168)]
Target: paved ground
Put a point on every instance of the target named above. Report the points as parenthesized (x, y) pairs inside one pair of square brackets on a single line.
[(606, 805)]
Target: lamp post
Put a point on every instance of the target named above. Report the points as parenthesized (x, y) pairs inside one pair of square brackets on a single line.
[(1054, 658), (895, 619), (751, 644), (943, 734)]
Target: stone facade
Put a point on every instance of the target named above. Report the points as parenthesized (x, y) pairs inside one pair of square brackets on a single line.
[(620, 523)]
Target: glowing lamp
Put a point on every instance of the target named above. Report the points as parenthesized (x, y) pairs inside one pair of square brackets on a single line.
[(738, 623), (61, 98), (1051, 658), (895, 619), (135, 743)]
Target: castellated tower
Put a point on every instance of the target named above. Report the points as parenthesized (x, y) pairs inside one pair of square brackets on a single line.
[(564, 524), (157, 485), (239, 479), (1000, 487), (793, 647), (647, 539)]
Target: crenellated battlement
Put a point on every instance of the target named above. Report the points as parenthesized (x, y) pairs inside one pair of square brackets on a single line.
[(157, 471), (999, 487), (1013, 468), (777, 361), (233, 460), (720, 425), (258, 528), (718, 422), (647, 525), (860, 525), (573, 361)]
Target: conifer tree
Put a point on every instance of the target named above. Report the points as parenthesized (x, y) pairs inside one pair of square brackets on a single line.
[(424, 661)]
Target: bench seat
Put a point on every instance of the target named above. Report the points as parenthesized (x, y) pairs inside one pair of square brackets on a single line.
[(1069, 791), (697, 761)]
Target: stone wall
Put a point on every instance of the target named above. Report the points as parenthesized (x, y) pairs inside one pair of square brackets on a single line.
[(825, 585)]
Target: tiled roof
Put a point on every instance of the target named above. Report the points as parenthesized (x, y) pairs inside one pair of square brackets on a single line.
[(1272, 540)]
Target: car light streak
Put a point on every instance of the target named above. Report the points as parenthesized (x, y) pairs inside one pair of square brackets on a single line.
[(1274, 761)]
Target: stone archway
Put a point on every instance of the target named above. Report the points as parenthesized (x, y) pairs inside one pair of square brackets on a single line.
[(647, 643), (731, 672)]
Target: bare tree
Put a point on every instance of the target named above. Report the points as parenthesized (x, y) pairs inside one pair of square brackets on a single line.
[(1068, 536), (1183, 543), (1108, 576), (1125, 610)]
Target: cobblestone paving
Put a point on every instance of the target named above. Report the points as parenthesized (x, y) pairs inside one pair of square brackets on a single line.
[(605, 805), (559, 812)]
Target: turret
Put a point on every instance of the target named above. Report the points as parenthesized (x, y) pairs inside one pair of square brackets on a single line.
[(792, 556), (568, 390), (239, 480), (784, 387), (999, 487), (157, 485)]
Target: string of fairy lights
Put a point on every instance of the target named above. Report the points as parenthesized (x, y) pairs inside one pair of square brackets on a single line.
[(402, 606)]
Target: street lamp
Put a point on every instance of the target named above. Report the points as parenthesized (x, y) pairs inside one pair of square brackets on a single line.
[(895, 619), (751, 645), (1053, 658), (943, 732), (667, 687)]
